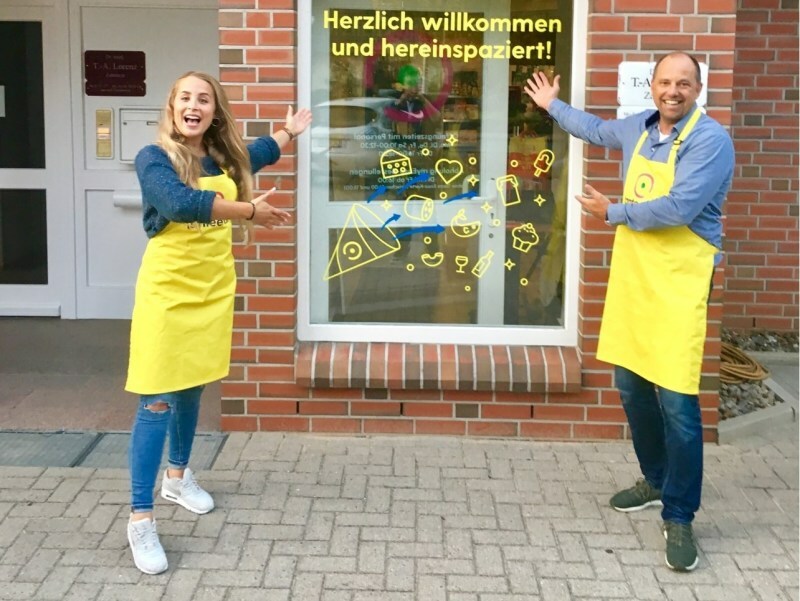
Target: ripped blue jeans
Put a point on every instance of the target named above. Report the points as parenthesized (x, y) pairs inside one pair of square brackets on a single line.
[(175, 412)]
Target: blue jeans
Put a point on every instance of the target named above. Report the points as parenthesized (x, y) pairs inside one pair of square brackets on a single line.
[(179, 416), (667, 434)]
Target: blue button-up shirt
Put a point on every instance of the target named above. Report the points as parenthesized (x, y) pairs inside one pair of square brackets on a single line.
[(703, 169)]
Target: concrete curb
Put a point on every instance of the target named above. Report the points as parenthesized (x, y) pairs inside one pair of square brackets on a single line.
[(762, 421), (774, 357)]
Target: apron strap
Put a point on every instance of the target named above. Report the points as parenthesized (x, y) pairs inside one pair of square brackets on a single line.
[(676, 144)]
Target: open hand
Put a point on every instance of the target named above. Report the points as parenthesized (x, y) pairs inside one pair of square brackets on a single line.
[(297, 122), (593, 202), (266, 215), (541, 91)]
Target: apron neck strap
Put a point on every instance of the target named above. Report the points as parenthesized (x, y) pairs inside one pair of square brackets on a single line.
[(676, 143)]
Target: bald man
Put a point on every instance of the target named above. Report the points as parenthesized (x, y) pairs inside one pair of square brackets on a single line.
[(678, 167)]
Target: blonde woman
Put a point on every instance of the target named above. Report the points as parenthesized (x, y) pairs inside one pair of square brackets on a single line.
[(195, 180)]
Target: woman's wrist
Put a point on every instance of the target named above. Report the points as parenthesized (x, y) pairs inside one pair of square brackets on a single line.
[(253, 212), (289, 132)]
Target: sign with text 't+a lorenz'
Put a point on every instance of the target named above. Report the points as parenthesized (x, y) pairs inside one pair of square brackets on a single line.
[(114, 72), (633, 87)]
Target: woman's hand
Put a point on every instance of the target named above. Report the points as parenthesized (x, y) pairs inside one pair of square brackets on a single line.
[(297, 122), (266, 215)]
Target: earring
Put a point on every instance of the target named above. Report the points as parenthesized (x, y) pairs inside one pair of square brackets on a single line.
[(215, 122)]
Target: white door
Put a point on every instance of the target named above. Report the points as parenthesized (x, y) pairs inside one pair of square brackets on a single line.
[(116, 113), (36, 233)]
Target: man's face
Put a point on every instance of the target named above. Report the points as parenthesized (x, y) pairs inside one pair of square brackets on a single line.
[(675, 88)]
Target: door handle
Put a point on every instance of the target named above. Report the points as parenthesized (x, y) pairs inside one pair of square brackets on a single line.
[(127, 199)]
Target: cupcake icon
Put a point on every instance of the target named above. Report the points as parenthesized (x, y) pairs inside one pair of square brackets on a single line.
[(524, 237)]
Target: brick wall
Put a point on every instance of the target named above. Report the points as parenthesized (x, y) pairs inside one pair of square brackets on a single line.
[(257, 56), (761, 290)]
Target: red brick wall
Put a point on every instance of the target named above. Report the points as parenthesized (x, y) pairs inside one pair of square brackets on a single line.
[(257, 56), (761, 290)]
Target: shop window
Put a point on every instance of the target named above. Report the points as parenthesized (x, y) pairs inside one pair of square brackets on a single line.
[(437, 203)]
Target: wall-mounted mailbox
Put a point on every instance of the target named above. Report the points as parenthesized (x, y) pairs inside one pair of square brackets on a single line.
[(138, 128)]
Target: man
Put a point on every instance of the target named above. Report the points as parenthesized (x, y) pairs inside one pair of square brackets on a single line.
[(678, 166), (410, 108)]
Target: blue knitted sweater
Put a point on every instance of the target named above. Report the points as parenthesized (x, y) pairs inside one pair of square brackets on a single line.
[(166, 198)]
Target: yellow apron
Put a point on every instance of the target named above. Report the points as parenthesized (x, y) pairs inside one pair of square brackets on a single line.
[(654, 319), (183, 313)]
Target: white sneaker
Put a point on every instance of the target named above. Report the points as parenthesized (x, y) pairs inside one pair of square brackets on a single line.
[(186, 492), (148, 554)]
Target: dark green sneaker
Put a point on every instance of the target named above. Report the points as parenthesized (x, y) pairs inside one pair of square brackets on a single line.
[(639, 496), (681, 553)]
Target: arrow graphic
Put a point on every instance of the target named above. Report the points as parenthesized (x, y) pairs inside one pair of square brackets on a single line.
[(394, 217), (376, 193), (418, 230), (470, 194)]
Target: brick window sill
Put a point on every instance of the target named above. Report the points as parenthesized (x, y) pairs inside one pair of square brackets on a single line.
[(406, 366)]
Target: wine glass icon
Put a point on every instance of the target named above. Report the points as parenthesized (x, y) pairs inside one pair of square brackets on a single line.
[(461, 262)]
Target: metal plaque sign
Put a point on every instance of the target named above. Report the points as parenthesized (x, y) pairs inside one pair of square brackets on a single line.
[(114, 73)]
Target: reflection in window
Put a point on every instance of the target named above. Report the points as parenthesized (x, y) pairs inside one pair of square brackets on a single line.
[(438, 192), (23, 237), (22, 126)]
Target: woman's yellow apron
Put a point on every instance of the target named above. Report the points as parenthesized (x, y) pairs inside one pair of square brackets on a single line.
[(654, 319), (183, 313)]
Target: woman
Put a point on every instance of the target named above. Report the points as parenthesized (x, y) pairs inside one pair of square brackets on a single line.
[(195, 180)]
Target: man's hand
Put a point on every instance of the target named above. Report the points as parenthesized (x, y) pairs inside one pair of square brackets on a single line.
[(541, 91), (593, 202)]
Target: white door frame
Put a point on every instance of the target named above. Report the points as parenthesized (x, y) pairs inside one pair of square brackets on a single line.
[(564, 335), (57, 297)]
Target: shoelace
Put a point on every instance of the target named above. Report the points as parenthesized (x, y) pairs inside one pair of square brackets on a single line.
[(147, 538), (189, 485), (643, 489), (676, 533)]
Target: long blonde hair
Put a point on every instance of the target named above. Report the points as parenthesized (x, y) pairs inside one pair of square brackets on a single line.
[(222, 140)]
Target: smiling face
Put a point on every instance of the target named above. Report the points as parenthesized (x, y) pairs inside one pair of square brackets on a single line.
[(675, 89), (193, 109)]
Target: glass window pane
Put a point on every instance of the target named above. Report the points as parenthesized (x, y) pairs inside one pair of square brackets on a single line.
[(23, 237), (403, 289), (438, 193), (22, 91)]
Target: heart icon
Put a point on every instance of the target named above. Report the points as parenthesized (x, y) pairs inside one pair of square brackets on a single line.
[(449, 170)]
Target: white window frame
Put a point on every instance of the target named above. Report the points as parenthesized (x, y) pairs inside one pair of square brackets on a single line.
[(565, 335)]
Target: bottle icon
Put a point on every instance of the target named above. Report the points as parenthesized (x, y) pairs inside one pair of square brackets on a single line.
[(482, 264)]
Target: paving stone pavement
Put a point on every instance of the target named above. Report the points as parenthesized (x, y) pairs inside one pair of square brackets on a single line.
[(303, 517)]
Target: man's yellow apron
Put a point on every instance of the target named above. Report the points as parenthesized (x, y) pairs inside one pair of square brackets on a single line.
[(654, 319), (183, 313)]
